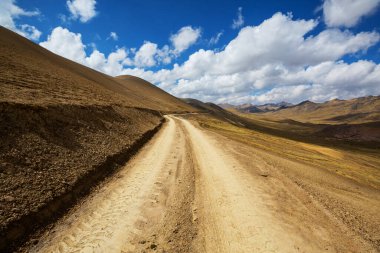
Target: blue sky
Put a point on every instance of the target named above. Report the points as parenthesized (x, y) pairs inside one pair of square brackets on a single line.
[(277, 50)]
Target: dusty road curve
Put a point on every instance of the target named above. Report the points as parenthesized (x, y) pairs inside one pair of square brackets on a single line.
[(185, 193)]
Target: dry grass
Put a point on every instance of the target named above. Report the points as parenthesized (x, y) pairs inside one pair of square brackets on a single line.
[(359, 164), (359, 132)]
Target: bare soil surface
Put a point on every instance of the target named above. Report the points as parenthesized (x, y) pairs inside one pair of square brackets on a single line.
[(193, 190)]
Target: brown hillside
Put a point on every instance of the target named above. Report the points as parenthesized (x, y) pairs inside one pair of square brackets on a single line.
[(63, 127), (151, 95), (31, 74)]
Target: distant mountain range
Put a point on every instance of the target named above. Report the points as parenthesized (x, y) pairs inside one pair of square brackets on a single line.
[(351, 110), (250, 108), (355, 119), (357, 110)]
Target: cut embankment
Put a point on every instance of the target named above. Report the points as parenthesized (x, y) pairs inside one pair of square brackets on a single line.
[(50, 156)]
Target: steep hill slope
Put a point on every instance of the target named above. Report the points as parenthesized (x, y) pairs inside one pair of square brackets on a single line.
[(217, 111), (32, 74), (204, 107), (151, 95), (63, 128)]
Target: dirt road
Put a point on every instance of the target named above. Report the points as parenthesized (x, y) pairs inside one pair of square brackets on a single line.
[(188, 191)]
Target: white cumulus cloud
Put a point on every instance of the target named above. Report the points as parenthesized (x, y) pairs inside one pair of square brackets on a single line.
[(84, 10), (278, 40), (69, 45), (63, 42), (347, 13), (145, 56), (274, 61), (184, 38), (9, 12), (149, 54)]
